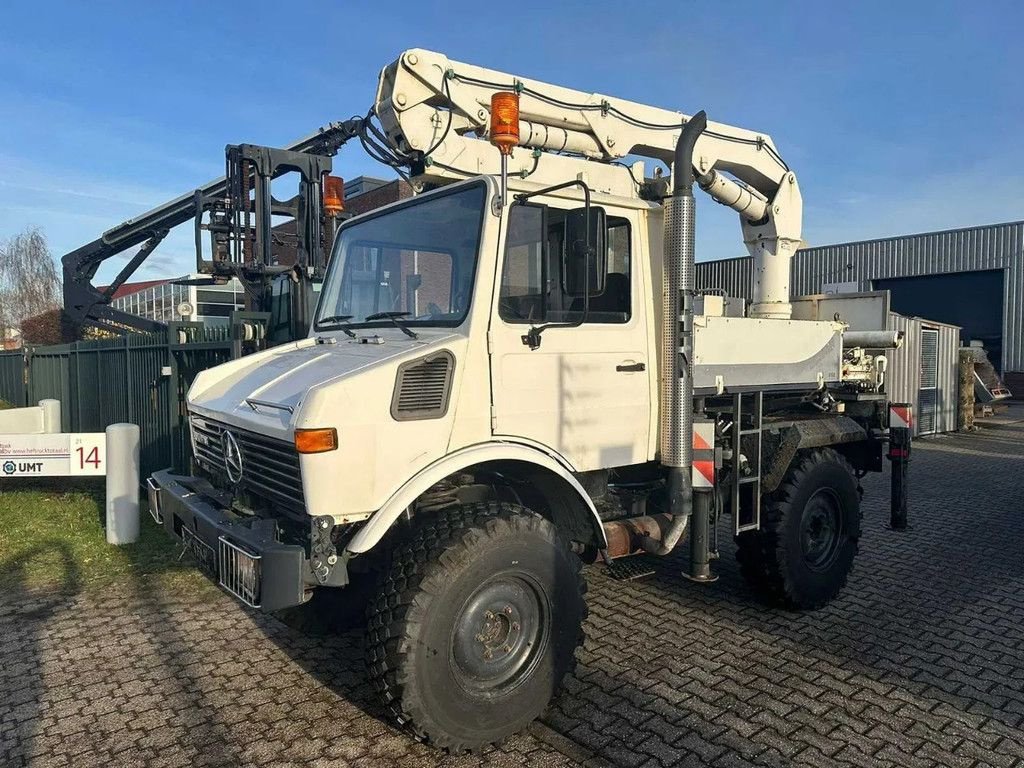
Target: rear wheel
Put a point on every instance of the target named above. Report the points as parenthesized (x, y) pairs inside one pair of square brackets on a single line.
[(803, 553), (475, 624)]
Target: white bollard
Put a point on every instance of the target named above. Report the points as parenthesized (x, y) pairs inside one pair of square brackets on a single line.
[(51, 416), (122, 483)]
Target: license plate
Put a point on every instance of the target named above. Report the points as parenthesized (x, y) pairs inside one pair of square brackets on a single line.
[(201, 552)]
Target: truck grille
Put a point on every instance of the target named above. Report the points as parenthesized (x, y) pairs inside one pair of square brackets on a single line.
[(270, 467)]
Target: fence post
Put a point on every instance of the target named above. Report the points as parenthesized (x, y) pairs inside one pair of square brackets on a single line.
[(132, 416), (75, 387), (175, 407), (123, 483), (29, 388)]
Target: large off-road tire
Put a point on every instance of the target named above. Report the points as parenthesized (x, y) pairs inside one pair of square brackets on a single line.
[(803, 553), (332, 610), (476, 624)]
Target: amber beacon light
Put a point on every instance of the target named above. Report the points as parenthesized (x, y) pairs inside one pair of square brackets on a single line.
[(505, 121), (334, 194)]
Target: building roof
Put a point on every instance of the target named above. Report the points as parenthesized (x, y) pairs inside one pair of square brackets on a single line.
[(127, 289)]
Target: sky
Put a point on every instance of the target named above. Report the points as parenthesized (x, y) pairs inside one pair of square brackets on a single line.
[(897, 116)]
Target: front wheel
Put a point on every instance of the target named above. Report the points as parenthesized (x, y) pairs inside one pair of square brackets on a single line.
[(475, 624), (803, 553)]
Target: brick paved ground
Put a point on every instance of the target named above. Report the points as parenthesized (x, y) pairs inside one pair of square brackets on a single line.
[(920, 663)]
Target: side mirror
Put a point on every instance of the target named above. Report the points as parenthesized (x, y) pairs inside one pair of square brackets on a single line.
[(578, 257)]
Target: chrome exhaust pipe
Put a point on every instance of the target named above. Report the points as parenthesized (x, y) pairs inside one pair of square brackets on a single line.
[(677, 286)]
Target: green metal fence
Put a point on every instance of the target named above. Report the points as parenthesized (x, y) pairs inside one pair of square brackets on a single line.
[(12, 378), (137, 378)]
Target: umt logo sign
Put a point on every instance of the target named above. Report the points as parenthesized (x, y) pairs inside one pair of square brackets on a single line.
[(26, 467)]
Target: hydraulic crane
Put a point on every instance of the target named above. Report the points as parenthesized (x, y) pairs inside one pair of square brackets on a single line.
[(429, 109), (239, 208)]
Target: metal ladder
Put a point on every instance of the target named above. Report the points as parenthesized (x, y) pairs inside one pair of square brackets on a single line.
[(747, 488)]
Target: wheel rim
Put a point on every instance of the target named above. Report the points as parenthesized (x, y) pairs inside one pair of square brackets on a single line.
[(821, 529), (500, 634)]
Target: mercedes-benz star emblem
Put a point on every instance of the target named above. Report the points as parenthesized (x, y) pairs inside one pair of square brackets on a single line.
[(232, 456)]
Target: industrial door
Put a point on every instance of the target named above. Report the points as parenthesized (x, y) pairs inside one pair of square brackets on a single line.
[(585, 390), (927, 396)]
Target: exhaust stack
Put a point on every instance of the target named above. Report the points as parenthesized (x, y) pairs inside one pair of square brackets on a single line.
[(676, 440)]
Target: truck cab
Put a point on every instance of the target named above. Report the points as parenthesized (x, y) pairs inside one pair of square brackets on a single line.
[(417, 353)]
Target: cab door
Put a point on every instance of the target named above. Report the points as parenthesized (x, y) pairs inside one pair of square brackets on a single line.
[(584, 391)]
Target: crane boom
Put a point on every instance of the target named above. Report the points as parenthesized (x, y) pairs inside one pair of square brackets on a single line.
[(87, 304), (434, 113), (439, 109)]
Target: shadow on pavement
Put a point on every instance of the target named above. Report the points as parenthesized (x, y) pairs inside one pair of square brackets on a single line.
[(24, 615), (926, 644)]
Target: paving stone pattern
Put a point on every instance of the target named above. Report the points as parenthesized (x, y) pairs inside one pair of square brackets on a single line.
[(920, 663)]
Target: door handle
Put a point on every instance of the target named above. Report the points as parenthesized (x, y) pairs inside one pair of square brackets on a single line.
[(630, 367)]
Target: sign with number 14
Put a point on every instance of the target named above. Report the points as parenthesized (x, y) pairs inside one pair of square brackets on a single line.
[(62, 455)]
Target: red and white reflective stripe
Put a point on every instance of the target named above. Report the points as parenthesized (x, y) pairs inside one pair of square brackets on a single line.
[(901, 417), (702, 474)]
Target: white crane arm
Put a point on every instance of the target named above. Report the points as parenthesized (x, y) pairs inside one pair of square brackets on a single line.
[(439, 109)]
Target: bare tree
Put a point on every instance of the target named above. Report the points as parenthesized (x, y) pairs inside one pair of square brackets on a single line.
[(29, 280)]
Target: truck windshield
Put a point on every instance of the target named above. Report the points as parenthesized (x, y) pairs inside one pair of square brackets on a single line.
[(416, 261)]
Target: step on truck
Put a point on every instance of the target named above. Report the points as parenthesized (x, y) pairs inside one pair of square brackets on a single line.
[(510, 375)]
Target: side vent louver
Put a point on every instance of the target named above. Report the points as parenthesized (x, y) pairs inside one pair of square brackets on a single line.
[(422, 387)]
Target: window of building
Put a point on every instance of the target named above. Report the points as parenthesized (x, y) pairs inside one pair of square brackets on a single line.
[(532, 281)]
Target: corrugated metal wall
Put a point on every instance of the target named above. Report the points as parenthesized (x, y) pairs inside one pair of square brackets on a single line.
[(730, 275), (903, 379), (996, 246)]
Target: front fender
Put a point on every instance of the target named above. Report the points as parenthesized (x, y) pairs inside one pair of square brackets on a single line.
[(382, 520)]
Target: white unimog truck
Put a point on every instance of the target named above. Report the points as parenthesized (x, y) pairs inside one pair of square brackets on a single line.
[(511, 374)]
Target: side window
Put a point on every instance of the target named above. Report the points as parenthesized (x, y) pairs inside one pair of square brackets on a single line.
[(531, 287), (616, 302), (523, 277)]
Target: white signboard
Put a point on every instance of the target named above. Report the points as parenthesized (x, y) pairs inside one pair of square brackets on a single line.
[(66, 455), (845, 287)]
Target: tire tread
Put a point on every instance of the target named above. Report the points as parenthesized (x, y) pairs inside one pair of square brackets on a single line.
[(441, 543), (761, 554)]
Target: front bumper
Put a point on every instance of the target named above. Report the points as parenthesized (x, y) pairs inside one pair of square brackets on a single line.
[(242, 555)]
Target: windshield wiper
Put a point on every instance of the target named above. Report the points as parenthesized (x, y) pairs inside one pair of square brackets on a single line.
[(393, 317), (338, 321)]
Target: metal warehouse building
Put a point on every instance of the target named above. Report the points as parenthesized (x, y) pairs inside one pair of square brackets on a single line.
[(972, 278)]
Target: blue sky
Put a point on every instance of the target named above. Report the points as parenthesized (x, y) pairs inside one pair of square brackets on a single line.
[(897, 116)]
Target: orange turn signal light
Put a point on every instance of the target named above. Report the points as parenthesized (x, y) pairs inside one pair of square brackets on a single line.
[(316, 440), (334, 194), (505, 120)]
